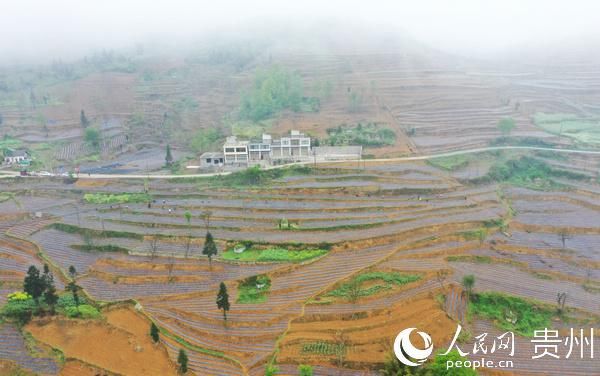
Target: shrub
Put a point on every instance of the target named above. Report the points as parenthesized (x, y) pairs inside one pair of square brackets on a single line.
[(18, 296), (274, 89), (249, 291), (305, 370), (21, 310), (274, 255), (110, 198), (439, 368), (386, 281), (529, 315), (83, 311)]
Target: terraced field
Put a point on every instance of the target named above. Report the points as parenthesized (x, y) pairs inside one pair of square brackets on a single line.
[(408, 218)]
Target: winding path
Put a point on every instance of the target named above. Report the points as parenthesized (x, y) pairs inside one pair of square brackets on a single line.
[(8, 174)]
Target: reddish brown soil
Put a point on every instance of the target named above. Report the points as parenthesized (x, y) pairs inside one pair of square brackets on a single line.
[(370, 338), (120, 345)]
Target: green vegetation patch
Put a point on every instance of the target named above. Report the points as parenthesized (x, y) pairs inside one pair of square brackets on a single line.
[(254, 289), (206, 139), (88, 232), (371, 283), (528, 172), (121, 198), (511, 313), (584, 130), (450, 163), (100, 248), (253, 176), (273, 255), (470, 258), (368, 134), (322, 348), (274, 89)]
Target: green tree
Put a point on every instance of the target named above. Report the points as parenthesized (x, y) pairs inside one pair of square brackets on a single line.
[(355, 101), (51, 297), (205, 139), (439, 366), (83, 119), (72, 272), (506, 125), (33, 284), (223, 300), (72, 286), (91, 135), (394, 367), (210, 248), (305, 370), (169, 156), (182, 360), (271, 370), (154, 333), (188, 218), (274, 89), (468, 282)]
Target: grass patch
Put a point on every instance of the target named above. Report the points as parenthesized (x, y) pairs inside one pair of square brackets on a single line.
[(122, 198), (580, 129), (368, 134), (254, 290), (252, 176), (527, 172), (71, 229), (468, 258), (511, 313), (322, 348), (450, 163), (100, 248), (273, 255), (371, 283)]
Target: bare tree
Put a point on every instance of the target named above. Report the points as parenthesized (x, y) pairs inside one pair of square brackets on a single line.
[(170, 266), (341, 340), (561, 297), (153, 247), (354, 290), (441, 277), (205, 215), (564, 235)]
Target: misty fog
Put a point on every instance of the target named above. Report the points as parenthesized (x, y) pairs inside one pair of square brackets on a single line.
[(37, 31)]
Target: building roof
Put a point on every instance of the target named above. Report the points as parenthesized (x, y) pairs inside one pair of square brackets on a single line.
[(233, 141), (211, 154), (17, 153), (337, 150)]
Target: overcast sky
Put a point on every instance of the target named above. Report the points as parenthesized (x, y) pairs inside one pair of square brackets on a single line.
[(30, 27)]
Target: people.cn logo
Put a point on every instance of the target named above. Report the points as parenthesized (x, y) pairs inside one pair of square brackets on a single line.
[(406, 352)]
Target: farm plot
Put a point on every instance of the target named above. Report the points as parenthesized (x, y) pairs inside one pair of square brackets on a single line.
[(513, 281), (14, 348)]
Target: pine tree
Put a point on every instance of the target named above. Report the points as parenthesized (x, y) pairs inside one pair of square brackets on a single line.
[(72, 272), (47, 277), (72, 286), (154, 333), (83, 119), (223, 300), (50, 297), (169, 156), (33, 284), (182, 360), (210, 248)]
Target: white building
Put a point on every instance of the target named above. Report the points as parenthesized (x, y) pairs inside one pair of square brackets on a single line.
[(235, 151), (295, 147), (212, 160), (16, 156)]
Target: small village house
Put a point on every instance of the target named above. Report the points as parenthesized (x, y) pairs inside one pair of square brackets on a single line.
[(20, 156)]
